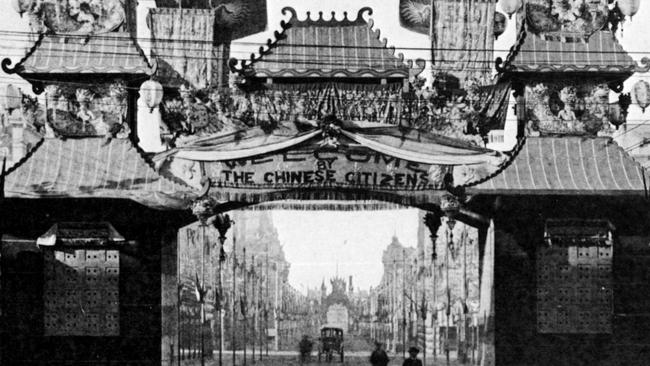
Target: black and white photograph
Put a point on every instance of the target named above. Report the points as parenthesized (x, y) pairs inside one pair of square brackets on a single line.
[(312, 183)]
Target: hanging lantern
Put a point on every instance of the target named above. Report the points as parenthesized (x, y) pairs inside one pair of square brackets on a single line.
[(618, 111), (500, 24), (511, 7), (628, 7), (615, 115), (642, 94), (222, 223), (151, 92), (11, 98)]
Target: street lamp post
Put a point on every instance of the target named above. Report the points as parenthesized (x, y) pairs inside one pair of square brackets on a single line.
[(244, 307), (234, 298), (432, 221), (201, 295), (403, 303), (259, 301), (254, 303), (222, 223), (202, 208), (450, 205), (266, 302), (275, 310)]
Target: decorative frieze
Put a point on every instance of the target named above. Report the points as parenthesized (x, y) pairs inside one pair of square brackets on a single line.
[(99, 110), (569, 108)]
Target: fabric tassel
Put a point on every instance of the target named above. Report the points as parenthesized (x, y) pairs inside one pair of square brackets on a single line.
[(388, 199)]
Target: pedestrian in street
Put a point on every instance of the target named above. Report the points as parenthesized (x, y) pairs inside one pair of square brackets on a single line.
[(413, 358), (379, 356), (305, 347)]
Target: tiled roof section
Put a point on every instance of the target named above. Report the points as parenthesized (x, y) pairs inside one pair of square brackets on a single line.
[(110, 53), (328, 48), (568, 165), (93, 168), (600, 53)]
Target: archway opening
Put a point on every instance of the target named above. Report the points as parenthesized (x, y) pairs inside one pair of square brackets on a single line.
[(379, 270)]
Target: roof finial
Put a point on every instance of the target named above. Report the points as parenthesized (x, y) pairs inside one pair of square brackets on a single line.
[(292, 11)]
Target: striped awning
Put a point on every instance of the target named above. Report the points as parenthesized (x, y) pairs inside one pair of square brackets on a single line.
[(93, 168), (110, 53), (568, 165)]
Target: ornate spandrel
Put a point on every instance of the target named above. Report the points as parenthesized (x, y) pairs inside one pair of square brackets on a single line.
[(568, 108), (87, 112), (193, 112), (462, 115)]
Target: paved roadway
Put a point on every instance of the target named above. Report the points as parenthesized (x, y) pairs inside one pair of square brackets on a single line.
[(291, 359)]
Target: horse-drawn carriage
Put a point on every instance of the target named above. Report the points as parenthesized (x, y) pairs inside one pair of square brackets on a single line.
[(330, 342)]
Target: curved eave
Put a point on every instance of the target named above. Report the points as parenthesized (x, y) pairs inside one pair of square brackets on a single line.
[(86, 70), (38, 81), (573, 69), (25, 68), (342, 73), (532, 54), (550, 192)]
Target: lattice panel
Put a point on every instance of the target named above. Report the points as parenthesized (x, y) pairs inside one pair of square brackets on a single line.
[(574, 289), (81, 292)]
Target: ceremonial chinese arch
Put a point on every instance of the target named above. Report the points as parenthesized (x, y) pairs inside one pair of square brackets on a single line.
[(102, 243)]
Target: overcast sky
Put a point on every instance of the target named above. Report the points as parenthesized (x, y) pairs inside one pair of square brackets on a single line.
[(316, 241)]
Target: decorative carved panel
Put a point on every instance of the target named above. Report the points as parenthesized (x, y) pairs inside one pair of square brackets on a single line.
[(574, 279), (568, 107), (576, 20), (74, 17), (99, 110), (81, 292)]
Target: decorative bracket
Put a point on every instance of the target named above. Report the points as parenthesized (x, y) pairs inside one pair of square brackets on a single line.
[(616, 86), (646, 66), (244, 68)]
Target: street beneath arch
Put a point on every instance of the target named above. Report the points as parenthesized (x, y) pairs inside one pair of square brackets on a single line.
[(288, 358)]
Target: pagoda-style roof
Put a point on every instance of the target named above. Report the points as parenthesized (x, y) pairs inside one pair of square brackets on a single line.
[(109, 53), (326, 49), (567, 166), (599, 53), (93, 168)]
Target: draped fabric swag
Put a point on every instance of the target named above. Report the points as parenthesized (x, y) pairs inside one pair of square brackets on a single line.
[(183, 45)]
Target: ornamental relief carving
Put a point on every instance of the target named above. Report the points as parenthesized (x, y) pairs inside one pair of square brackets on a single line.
[(188, 113), (73, 17), (81, 112), (580, 17), (568, 107)]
